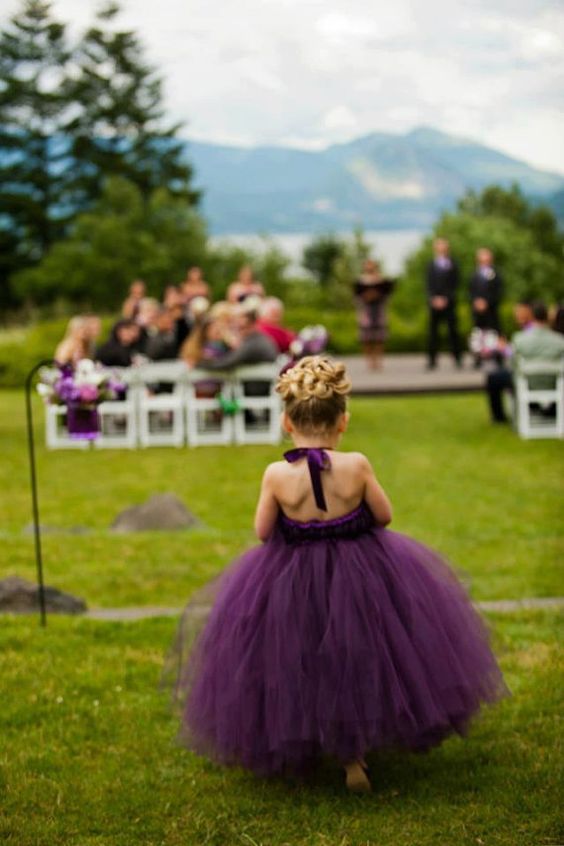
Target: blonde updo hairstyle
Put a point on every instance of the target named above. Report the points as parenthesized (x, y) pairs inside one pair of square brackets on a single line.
[(314, 392)]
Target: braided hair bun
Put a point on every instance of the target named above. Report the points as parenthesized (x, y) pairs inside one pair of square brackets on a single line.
[(314, 392)]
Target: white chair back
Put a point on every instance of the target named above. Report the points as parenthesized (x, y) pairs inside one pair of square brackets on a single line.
[(539, 398), (159, 387), (207, 422), (257, 419)]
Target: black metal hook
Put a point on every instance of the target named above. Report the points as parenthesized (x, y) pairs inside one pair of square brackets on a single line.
[(33, 474)]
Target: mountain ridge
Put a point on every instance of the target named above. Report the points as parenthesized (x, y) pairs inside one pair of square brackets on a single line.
[(378, 181)]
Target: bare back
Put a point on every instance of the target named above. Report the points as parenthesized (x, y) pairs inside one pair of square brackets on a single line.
[(343, 484)]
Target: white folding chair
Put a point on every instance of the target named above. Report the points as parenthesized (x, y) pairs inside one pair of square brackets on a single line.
[(539, 411), (118, 418), (160, 393), (257, 420), (118, 423), (206, 420)]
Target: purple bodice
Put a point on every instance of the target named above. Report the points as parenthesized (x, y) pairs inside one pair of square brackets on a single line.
[(347, 526), (350, 525)]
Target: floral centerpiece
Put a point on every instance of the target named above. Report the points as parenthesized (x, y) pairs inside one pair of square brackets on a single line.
[(81, 390)]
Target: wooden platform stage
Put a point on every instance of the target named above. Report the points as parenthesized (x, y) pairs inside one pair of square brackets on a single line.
[(407, 374)]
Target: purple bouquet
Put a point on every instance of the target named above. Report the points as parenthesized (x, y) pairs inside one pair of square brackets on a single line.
[(81, 389)]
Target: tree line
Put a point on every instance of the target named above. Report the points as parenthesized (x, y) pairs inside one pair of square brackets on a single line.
[(74, 113)]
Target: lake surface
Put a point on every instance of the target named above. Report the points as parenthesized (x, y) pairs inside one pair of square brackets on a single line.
[(391, 247)]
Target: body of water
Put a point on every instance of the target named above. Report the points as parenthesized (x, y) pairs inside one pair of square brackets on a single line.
[(391, 247)]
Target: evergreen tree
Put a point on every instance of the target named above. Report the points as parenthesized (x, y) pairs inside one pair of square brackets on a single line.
[(33, 56), (118, 130)]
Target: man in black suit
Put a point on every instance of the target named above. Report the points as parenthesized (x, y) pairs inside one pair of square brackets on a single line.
[(485, 292), (442, 281)]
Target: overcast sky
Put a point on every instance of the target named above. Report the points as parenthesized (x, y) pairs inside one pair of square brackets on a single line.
[(312, 72)]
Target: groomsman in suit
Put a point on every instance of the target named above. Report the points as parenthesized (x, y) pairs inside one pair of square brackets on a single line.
[(485, 292), (534, 342), (442, 282)]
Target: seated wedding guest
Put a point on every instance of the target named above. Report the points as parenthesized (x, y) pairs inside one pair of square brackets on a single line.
[(244, 286), (206, 343), (122, 346), (147, 316), (254, 346), (270, 321), (174, 302), (534, 342), (226, 315), (194, 285), (130, 307), (162, 345), (76, 343), (148, 312), (197, 308), (557, 319), (93, 330)]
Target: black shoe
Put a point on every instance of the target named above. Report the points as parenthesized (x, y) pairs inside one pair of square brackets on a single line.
[(430, 365)]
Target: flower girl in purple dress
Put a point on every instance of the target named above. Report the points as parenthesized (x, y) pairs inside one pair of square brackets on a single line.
[(336, 636)]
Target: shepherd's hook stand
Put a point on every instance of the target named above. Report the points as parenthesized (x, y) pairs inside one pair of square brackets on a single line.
[(49, 362)]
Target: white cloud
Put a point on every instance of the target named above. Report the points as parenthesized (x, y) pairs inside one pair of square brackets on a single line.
[(313, 72)]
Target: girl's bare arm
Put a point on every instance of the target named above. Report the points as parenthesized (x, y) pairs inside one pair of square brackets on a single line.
[(267, 507), (375, 496)]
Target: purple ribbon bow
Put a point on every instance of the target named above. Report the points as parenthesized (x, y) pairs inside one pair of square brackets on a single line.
[(317, 460)]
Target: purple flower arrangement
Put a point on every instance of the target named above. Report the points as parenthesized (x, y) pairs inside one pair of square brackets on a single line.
[(85, 386), (81, 389)]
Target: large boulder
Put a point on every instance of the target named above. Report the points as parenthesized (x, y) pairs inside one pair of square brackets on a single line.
[(161, 512), (18, 596)]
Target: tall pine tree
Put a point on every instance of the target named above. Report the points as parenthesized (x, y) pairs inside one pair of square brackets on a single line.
[(119, 129), (33, 156)]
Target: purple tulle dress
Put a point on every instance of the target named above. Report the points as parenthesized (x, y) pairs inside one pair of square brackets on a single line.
[(335, 638)]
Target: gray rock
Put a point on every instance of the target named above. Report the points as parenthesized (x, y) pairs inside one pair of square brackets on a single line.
[(160, 512), (18, 596)]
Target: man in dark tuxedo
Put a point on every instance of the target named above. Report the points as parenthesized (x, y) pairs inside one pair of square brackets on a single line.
[(485, 292), (442, 282)]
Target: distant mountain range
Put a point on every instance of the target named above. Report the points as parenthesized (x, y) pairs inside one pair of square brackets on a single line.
[(380, 181)]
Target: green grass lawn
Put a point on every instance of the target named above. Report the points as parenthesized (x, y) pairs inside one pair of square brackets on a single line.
[(86, 739), (87, 757), (489, 501)]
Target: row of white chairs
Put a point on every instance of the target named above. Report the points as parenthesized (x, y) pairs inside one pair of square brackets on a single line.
[(239, 407), (531, 404)]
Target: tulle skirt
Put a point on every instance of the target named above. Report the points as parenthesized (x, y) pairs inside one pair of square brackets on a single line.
[(326, 642)]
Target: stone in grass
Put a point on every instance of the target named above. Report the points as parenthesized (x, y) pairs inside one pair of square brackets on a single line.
[(163, 512), (18, 596)]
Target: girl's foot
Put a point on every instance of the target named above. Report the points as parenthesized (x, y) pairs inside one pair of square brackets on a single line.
[(356, 778)]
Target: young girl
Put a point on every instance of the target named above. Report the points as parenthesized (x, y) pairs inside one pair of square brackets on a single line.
[(336, 636)]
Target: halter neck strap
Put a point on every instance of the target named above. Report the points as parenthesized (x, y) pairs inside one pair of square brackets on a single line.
[(317, 460)]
